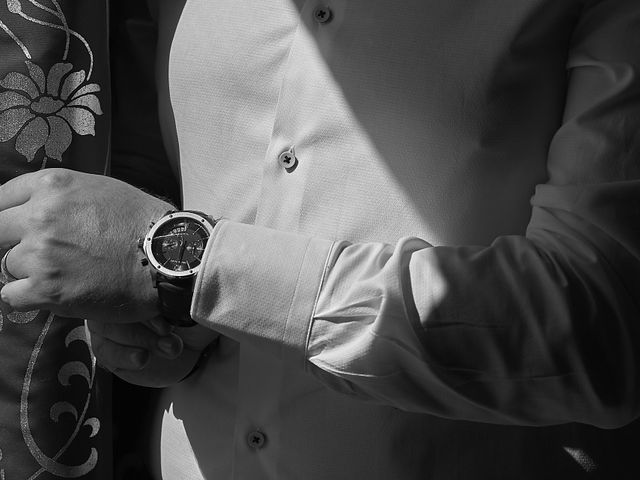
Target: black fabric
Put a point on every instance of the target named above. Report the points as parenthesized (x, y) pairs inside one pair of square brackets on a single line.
[(139, 158), (54, 112), (139, 155)]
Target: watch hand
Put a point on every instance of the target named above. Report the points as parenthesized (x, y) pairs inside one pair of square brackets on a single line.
[(183, 247), (165, 236)]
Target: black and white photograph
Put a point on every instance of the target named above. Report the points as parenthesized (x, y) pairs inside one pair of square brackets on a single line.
[(319, 239)]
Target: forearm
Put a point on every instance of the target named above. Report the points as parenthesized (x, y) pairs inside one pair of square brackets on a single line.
[(531, 330)]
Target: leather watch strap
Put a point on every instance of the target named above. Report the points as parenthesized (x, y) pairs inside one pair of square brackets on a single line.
[(175, 300)]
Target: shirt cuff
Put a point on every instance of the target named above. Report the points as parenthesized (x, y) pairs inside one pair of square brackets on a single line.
[(260, 285)]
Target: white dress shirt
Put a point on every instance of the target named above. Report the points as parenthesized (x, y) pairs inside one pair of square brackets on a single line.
[(446, 255)]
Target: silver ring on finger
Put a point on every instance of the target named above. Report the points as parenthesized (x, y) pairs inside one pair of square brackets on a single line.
[(5, 275)]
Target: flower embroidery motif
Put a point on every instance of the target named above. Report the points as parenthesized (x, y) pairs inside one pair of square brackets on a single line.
[(42, 111)]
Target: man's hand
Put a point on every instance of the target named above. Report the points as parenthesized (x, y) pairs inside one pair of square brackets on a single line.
[(151, 354), (74, 238)]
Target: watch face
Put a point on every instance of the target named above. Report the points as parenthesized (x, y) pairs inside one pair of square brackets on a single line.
[(176, 244)]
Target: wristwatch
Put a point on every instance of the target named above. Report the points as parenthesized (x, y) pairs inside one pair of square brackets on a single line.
[(174, 247)]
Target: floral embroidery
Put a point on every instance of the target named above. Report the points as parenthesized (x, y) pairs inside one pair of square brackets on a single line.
[(42, 111), (41, 107), (47, 109)]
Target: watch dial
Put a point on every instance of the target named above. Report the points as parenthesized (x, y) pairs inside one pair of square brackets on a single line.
[(179, 244)]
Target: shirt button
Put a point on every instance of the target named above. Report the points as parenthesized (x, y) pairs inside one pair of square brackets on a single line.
[(256, 439), (288, 158), (322, 14)]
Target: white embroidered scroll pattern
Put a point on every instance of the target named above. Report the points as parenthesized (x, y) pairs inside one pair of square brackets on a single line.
[(68, 370), (61, 410), (38, 110)]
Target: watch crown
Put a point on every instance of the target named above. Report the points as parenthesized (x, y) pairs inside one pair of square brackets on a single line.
[(140, 242), (144, 262)]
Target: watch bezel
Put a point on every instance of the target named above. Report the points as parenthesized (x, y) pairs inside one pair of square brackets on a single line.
[(148, 240)]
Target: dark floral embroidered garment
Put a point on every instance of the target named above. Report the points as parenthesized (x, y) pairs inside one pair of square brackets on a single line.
[(54, 112)]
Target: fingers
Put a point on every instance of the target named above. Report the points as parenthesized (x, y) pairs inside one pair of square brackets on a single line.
[(122, 348), (134, 334), (18, 190), (16, 268), (113, 356), (197, 338), (170, 346), (160, 372), (11, 226), (138, 335), (160, 326), (22, 296)]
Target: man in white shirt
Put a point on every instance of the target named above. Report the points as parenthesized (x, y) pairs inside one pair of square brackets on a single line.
[(426, 241)]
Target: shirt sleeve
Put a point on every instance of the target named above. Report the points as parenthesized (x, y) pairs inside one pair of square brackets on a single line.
[(532, 330)]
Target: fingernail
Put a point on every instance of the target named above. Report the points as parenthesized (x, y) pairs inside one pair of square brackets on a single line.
[(170, 345), (139, 358), (160, 326)]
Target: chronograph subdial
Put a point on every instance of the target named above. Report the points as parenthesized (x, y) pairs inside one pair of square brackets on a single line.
[(182, 251), (177, 244)]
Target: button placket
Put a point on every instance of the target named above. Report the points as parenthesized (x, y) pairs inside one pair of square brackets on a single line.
[(322, 14), (256, 439), (287, 159)]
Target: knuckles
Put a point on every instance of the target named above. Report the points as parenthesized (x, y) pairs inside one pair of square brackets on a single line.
[(45, 216), (51, 294), (55, 179), (42, 220)]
